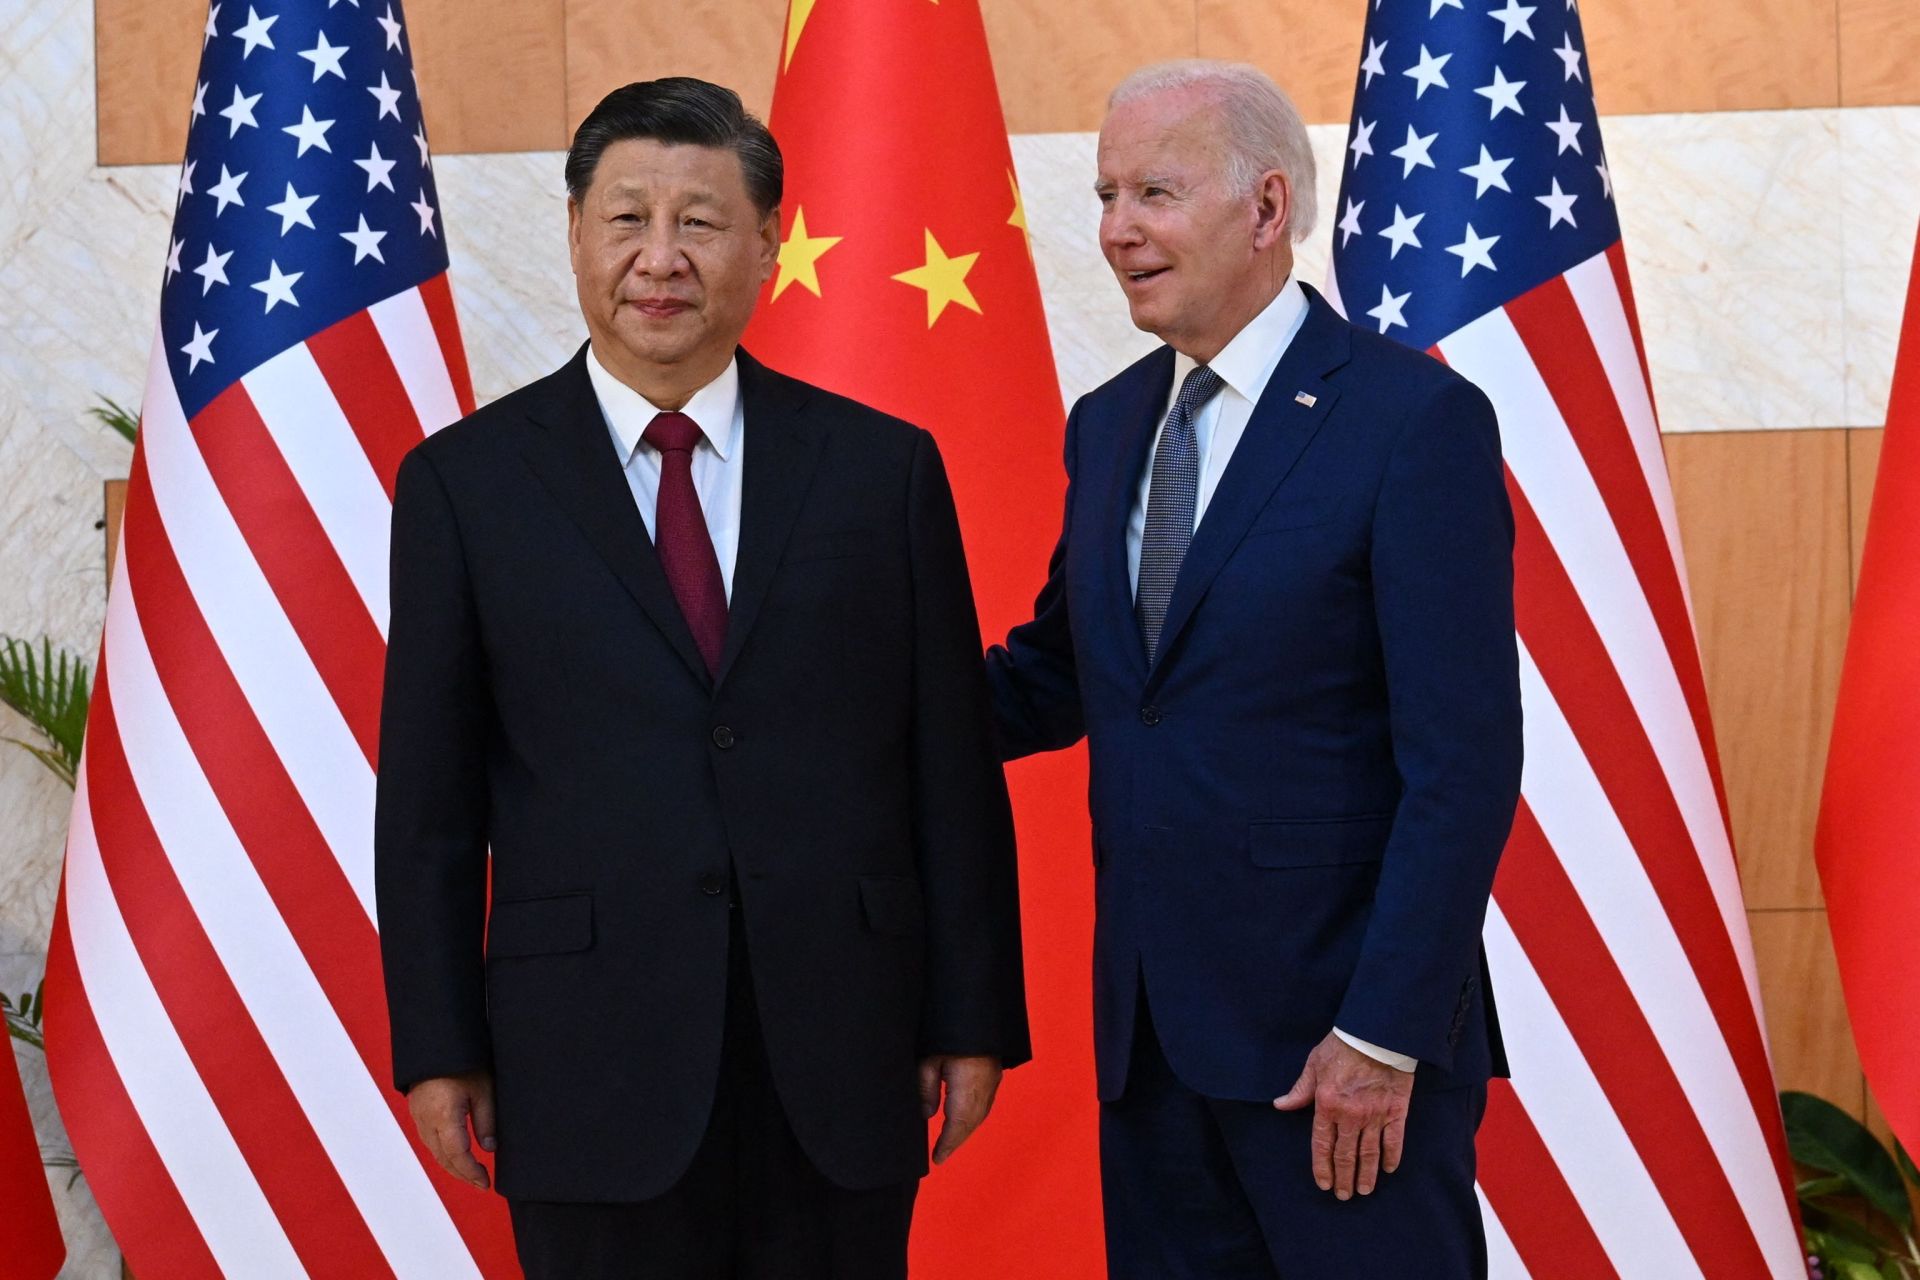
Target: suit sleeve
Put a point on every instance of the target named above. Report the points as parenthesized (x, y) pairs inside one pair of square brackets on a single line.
[(430, 825), (1443, 594), (963, 822), (1036, 691)]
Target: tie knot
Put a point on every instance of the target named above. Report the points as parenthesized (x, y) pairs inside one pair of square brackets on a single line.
[(672, 433), (1199, 387)]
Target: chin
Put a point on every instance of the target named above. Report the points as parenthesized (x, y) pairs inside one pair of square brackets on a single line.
[(1146, 319)]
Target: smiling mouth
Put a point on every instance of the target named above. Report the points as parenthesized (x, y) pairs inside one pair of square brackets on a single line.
[(1137, 277)]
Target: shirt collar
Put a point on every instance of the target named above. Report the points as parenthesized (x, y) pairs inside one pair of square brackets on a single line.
[(1247, 362), (714, 408)]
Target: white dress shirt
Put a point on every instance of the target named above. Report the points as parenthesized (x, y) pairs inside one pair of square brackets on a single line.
[(717, 470), (1245, 366)]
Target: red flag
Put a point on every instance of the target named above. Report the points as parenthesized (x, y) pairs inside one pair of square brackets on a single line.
[(1868, 842), (906, 281), (34, 1249)]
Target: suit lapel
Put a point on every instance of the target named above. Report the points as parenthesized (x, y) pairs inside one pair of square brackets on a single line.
[(575, 459), (782, 446), (1142, 414), (1276, 435)]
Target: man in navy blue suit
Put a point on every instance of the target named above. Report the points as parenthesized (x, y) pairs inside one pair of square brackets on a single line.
[(1281, 614)]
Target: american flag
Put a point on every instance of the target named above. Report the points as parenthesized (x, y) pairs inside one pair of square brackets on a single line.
[(1640, 1135), (217, 1037)]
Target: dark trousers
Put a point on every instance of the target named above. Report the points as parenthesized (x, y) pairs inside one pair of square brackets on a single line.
[(751, 1206), (1199, 1188)]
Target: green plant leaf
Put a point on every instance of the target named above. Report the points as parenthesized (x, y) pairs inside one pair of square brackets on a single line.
[(120, 418), (1840, 1226), (1905, 1161), (1835, 1250), (1822, 1136), (51, 691), (1820, 1188), (1851, 1270)]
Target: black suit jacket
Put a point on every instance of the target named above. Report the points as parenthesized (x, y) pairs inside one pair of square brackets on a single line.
[(544, 697)]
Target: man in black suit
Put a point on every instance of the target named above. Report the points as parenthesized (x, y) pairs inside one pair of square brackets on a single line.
[(689, 645)]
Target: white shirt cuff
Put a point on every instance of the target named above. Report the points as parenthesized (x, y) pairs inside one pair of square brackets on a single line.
[(1398, 1061)]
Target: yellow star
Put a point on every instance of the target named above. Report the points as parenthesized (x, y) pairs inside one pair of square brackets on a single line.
[(1018, 218), (944, 279), (800, 257), (798, 11)]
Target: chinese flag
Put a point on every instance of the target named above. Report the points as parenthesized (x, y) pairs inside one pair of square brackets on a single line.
[(906, 280), (32, 1247), (1868, 841)]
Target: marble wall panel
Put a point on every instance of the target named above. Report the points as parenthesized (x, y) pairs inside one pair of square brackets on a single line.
[(507, 234), (79, 255), (1880, 217)]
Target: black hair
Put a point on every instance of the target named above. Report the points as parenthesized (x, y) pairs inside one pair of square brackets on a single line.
[(679, 110)]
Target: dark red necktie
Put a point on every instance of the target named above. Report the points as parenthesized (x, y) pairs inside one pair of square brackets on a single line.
[(680, 536)]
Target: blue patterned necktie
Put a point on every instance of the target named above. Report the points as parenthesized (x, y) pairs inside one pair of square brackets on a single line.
[(1171, 500)]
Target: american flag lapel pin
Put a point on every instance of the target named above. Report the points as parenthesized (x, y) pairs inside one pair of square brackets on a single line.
[(1301, 397)]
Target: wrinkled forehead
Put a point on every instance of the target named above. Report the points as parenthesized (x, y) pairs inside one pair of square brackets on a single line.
[(642, 168), (1175, 132)]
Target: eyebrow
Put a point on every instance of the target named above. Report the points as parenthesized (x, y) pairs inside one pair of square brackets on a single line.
[(1150, 180), (697, 196)]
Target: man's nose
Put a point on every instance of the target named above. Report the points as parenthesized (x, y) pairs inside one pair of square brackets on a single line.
[(1119, 229), (661, 253)]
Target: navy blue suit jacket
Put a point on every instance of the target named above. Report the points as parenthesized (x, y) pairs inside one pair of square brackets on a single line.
[(1298, 808)]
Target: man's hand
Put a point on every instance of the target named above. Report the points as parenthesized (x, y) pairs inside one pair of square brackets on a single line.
[(1359, 1115), (971, 1083), (441, 1109)]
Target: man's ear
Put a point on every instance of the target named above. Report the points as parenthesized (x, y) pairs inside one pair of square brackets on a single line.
[(574, 214), (1273, 205), (769, 242)]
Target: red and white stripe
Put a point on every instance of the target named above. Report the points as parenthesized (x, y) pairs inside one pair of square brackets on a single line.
[(1640, 1134), (219, 1046)]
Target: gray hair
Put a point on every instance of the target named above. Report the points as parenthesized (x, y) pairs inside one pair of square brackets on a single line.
[(1262, 126)]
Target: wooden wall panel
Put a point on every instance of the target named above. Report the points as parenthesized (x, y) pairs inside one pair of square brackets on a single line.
[(114, 496), (1879, 52), (493, 73), (1807, 1024), (1863, 461), (1713, 55), (1314, 59), (614, 42), (146, 53), (1056, 63), (504, 75), (1763, 520)]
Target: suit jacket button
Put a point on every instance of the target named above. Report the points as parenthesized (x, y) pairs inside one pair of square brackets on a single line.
[(722, 737), (1149, 716), (713, 884)]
